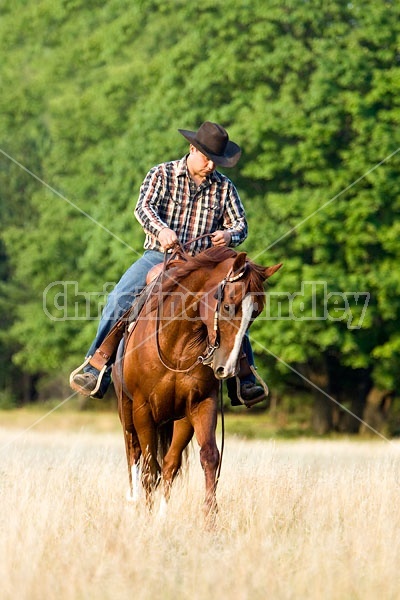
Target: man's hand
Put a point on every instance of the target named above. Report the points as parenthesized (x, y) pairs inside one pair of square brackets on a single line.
[(167, 238), (221, 238)]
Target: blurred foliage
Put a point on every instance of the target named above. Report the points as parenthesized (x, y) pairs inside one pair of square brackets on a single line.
[(92, 96)]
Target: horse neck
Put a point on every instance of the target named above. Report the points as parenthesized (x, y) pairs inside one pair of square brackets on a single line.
[(206, 280), (192, 288)]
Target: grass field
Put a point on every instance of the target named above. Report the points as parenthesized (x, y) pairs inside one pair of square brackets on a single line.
[(306, 519)]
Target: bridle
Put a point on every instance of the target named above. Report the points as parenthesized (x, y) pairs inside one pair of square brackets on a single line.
[(213, 343)]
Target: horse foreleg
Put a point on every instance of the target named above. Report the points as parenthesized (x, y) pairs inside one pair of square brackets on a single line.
[(132, 447), (147, 436), (204, 419), (133, 454), (182, 434)]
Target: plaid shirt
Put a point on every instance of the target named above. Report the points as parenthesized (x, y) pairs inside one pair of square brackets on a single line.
[(169, 198)]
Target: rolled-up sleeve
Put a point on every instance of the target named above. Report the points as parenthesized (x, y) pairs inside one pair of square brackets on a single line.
[(235, 217)]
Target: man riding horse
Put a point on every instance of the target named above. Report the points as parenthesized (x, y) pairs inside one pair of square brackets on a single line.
[(183, 201)]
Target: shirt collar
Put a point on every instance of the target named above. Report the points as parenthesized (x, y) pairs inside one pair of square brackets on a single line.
[(182, 166)]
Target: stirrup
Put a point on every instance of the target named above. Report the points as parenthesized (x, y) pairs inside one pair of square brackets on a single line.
[(82, 366), (259, 378), (250, 403)]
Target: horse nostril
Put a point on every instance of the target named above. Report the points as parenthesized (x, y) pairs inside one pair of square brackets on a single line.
[(220, 372)]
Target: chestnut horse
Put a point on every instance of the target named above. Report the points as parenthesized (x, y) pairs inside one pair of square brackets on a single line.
[(187, 339)]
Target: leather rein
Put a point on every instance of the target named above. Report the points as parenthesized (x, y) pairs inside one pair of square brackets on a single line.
[(212, 345)]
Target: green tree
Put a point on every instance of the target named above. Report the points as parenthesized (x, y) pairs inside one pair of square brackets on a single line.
[(93, 95)]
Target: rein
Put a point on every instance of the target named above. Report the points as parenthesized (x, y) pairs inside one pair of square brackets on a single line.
[(207, 359), (221, 454), (219, 294), (211, 347), (199, 237), (198, 360)]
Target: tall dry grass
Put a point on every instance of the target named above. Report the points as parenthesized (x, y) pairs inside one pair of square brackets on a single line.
[(308, 519)]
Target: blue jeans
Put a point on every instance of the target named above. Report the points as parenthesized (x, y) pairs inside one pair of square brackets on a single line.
[(247, 349), (121, 298)]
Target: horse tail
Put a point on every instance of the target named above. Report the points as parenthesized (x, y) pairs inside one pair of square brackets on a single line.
[(164, 439)]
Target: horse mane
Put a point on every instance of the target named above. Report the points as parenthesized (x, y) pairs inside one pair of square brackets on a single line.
[(185, 264)]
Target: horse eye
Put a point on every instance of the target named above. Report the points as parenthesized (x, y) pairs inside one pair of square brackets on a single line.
[(226, 307)]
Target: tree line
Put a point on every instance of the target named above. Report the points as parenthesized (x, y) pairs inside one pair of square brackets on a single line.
[(92, 96)]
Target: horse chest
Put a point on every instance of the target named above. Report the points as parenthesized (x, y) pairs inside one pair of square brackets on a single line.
[(175, 398)]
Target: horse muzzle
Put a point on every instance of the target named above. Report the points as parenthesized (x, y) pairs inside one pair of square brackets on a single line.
[(222, 372), (216, 362)]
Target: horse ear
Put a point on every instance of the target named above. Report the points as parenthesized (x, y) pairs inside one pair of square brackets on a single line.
[(239, 262), (271, 270)]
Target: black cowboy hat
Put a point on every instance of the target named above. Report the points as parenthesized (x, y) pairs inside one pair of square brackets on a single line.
[(213, 141)]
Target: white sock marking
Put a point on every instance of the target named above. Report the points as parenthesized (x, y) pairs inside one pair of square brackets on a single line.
[(136, 492), (162, 511)]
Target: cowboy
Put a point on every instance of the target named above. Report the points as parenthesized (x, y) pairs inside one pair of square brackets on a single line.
[(181, 200)]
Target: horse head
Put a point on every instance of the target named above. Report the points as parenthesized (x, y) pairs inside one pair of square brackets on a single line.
[(237, 299)]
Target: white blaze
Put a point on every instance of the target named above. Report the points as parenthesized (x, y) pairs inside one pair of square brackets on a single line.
[(247, 310)]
